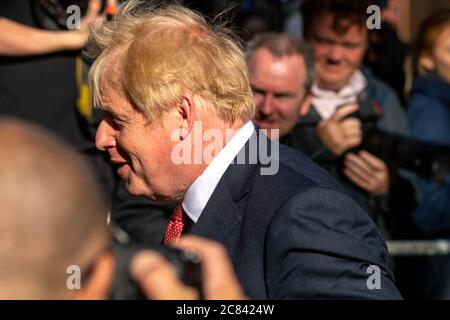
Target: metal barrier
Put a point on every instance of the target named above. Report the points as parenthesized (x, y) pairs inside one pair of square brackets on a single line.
[(419, 248)]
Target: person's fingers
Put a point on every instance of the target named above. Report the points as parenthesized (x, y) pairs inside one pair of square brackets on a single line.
[(219, 280), (352, 124), (343, 112), (359, 168), (103, 275), (111, 2), (375, 162), (158, 278), (357, 161), (93, 9), (352, 132), (356, 179), (92, 17), (364, 174)]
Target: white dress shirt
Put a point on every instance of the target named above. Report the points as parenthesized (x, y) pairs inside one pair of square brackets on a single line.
[(198, 194)]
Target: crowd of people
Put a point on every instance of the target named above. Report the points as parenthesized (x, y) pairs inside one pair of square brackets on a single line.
[(311, 230)]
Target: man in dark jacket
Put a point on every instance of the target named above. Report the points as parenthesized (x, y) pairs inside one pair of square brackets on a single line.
[(338, 35), (290, 229)]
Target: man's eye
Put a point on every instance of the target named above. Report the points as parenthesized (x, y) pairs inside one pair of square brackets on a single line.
[(117, 122), (113, 120), (282, 96)]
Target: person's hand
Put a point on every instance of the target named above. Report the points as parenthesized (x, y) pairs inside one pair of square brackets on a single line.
[(158, 278), (159, 281), (339, 133), (368, 172)]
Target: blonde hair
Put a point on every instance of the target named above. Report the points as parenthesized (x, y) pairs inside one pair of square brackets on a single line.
[(165, 52)]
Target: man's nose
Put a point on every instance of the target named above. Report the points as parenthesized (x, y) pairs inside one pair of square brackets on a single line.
[(105, 138), (335, 53), (266, 105)]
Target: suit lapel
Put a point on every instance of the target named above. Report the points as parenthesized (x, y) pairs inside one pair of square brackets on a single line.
[(226, 207), (220, 216)]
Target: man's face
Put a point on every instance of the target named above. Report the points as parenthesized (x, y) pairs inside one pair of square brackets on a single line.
[(338, 56), (278, 89), (142, 153)]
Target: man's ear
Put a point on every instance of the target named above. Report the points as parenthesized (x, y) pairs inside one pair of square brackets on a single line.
[(427, 63), (98, 285), (306, 105), (186, 115)]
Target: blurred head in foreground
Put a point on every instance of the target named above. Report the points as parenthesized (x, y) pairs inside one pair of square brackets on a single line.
[(51, 218)]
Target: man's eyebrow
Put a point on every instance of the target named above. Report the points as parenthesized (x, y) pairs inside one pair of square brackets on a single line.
[(352, 43), (256, 88), (276, 94), (284, 94)]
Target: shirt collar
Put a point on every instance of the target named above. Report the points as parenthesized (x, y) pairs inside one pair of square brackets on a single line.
[(199, 193), (326, 101)]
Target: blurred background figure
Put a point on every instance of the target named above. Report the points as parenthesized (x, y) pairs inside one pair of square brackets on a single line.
[(250, 24), (293, 24), (429, 116), (386, 54), (37, 68), (346, 98), (281, 71)]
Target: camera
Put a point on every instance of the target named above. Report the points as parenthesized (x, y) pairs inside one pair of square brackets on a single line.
[(430, 161), (186, 263)]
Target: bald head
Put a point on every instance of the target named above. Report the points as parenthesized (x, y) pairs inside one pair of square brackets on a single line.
[(51, 213)]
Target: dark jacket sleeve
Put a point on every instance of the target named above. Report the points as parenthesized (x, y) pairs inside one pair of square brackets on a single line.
[(432, 214), (429, 122), (323, 246)]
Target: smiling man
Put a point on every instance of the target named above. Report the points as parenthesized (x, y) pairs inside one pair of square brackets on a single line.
[(339, 45), (291, 234), (337, 32)]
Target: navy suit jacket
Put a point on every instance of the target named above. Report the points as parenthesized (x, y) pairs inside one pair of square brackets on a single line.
[(296, 234)]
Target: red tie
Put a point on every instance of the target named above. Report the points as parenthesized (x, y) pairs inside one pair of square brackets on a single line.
[(175, 227)]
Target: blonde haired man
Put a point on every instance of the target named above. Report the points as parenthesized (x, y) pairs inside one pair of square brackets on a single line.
[(164, 77)]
